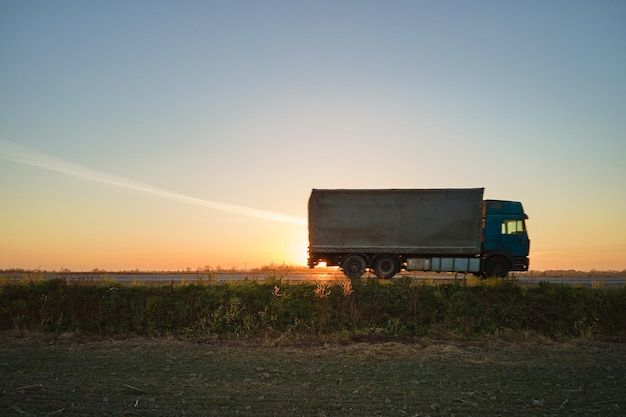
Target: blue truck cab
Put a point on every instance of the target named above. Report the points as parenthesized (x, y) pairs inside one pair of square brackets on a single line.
[(505, 242)]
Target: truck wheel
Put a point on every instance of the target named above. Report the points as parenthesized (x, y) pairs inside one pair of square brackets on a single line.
[(386, 266), (353, 266), (497, 267)]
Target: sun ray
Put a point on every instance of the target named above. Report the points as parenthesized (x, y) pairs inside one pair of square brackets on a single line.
[(13, 152)]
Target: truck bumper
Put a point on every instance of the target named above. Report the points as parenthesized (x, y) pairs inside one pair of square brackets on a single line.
[(520, 264)]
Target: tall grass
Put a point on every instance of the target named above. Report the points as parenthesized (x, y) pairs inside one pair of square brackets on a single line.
[(397, 308)]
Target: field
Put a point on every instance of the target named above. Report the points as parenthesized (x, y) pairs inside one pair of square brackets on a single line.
[(74, 375)]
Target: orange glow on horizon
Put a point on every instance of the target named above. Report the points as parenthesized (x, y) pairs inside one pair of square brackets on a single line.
[(166, 251), (168, 261)]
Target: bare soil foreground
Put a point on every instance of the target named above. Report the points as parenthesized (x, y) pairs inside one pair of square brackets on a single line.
[(72, 375)]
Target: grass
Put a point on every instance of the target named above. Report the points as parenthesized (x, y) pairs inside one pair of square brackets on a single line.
[(400, 308)]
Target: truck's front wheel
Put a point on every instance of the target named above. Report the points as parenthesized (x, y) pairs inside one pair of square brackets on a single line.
[(386, 266), (497, 267), (353, 266)]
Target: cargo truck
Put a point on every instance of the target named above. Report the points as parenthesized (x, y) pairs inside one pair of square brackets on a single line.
[(390, 230)]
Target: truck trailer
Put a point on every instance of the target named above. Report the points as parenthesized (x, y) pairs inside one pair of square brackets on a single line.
[(389, 230)]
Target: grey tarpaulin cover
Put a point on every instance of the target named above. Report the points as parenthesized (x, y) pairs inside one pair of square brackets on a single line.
[(417, 221)]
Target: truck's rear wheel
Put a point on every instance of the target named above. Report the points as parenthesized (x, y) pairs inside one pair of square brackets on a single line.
[(497, 267), (353, 266), (386, 266)]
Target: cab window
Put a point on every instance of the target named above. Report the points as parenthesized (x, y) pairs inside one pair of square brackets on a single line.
[(513, 227)]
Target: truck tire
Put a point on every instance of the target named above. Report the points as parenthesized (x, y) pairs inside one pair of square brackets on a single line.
[(353, 266), (497, 266), (386, 266)]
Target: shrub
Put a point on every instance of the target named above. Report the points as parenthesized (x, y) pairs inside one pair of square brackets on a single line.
[(401, 307)]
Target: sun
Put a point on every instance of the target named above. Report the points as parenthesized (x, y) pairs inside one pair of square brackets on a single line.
[(300, 254)]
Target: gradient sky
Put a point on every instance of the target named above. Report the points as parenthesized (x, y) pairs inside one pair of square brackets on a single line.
[(160, 135)]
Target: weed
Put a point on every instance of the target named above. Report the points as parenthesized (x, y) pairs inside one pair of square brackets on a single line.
[(276, 291), (322, 290), (346, 286)]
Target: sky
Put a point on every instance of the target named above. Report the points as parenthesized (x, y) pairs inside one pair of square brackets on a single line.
[(165, 135)]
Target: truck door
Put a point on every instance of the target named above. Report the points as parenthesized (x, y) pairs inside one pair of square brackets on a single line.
[(514, 238)]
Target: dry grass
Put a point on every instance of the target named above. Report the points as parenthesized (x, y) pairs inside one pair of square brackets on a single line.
[(72, 375)]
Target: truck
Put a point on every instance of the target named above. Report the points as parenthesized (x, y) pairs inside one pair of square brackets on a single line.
[(385, 231)]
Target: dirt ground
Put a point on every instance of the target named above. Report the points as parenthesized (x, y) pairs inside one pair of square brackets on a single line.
[(71, 375)]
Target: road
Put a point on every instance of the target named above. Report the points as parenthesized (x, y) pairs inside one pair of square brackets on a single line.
[(329, 275)]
